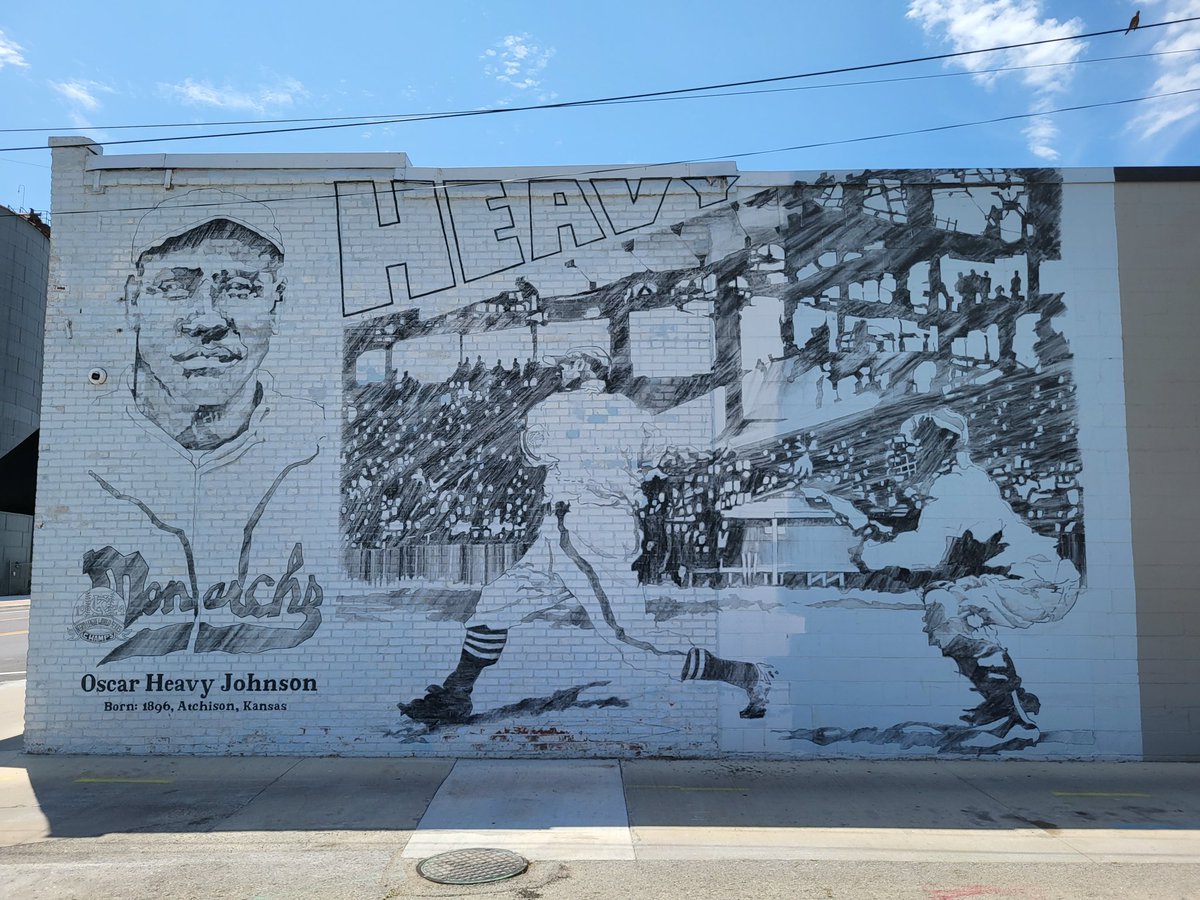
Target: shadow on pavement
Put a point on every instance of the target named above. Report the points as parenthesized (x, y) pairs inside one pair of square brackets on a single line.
[(86, 796), (910, 794)]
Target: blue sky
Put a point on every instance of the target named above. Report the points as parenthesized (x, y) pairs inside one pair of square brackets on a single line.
[(80, 67)]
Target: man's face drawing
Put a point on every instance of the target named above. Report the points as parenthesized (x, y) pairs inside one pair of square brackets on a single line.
[(205, 315)]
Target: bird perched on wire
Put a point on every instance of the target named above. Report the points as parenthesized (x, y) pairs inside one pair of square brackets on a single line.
[(1133, 23)]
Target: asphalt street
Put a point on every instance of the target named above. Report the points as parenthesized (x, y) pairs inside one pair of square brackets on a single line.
[(278, 827), (14, 639)]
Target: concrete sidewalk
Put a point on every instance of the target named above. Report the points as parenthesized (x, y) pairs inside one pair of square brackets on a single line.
[(287, 827)]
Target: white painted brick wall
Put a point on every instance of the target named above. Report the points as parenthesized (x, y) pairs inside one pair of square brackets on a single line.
[(838, 667)]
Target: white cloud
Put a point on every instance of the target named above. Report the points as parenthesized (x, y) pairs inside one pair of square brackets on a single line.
[(81, 92), (979, 24), (80, 121), (10, 53), (260, 99), (516, 60), (1177, 72), (1041, 133), (82, 97)]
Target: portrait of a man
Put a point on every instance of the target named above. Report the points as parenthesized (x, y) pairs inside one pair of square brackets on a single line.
[(213, 451), (203, 304)]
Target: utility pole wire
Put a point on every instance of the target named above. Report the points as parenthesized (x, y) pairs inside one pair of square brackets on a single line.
[(567, 104), (377, 118), (574, 172)]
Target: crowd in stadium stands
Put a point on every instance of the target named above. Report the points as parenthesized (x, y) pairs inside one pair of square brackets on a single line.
[(443, 462)]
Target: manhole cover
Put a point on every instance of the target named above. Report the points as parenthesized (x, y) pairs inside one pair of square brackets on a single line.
[(478, 865)]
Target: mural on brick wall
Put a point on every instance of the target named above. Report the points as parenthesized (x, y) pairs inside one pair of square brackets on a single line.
[(885, 420), (211, 449)]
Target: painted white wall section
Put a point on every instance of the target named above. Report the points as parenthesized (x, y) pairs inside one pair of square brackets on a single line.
[(523, 462)]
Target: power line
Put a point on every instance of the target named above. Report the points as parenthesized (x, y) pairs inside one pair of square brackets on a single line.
[(378, 119), (575, 172), (807, 87), (936, 128), (625, 97), (904, 78), (23, 162)]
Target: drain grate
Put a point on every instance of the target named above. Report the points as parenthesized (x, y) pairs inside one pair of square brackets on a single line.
[(477, 865)]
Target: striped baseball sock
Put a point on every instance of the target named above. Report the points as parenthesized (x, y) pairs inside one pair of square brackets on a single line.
[(701, 665), (481, 648)]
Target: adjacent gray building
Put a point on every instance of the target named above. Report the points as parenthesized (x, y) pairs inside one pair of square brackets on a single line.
[(24, 264)]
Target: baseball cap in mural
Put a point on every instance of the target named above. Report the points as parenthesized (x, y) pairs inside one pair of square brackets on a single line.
[(180, 214)]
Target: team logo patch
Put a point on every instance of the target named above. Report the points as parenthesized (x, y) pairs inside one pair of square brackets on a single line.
[(99, 616)]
